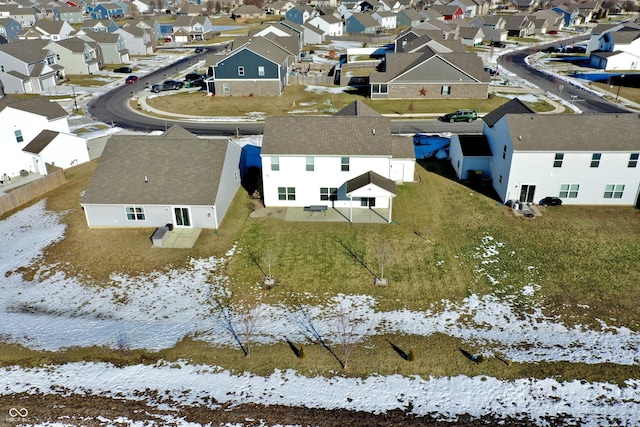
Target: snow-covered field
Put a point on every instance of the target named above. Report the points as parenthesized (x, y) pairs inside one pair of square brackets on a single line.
[(156, 311)]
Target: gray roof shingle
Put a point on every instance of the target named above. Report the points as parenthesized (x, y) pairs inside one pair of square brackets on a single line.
[(371, 178), (180, 168), (576, 132)]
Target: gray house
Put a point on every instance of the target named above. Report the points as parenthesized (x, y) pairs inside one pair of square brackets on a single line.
[(175, 178), (71, 14), (75, 55), (28, 67), (110, 47), (138, 41)]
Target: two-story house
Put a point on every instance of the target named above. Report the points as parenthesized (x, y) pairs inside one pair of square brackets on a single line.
[(26, 66), (533, 156), (137, 41), (197, 27), (9, 30), (70, 14), (618, 49), (329, 24), (259, 67), (106, 11), (48, 30), (110, 47), (75, 55), (346, 161), (34, 132)]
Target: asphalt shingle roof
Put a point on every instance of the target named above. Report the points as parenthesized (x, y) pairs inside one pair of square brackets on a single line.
[(371, 178), (40, 142), (180, 168), (38, 105), (576, 132), (514, 106)]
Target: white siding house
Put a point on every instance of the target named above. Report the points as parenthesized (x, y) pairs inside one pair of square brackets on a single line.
[(175, 178), (334, 161), (537, 155), (43, 123)]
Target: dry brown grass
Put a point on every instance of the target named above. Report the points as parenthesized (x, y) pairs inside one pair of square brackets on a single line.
[(93, 254), (296, 98)]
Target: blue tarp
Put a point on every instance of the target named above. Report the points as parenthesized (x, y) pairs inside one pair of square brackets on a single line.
[(427, 146), (249, 158)]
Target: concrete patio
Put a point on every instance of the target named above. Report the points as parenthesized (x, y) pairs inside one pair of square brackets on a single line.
[(360, 215), (182, 238)]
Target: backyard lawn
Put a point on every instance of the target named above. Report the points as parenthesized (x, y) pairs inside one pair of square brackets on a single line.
[(577, 258)]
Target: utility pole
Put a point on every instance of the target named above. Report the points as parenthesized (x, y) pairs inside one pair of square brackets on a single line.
[(75, 102), (619, 84)]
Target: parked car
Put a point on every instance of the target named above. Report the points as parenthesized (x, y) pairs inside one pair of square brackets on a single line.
[(126, 70), (551, 201), (168, 39), (551, 49), (167, 85), (131, 79), (497, 43), (460, 116), (552, 32), (199, 50), (491, 71)]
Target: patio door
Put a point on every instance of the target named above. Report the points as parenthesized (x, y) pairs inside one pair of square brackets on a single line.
[(527, 193), (181, 217), (368, 201)]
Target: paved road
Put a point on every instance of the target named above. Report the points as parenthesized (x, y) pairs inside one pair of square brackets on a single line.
[(586, 101), (111, 107)]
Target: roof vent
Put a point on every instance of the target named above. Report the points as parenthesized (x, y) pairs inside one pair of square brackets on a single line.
[(373, 131), (519, 137)]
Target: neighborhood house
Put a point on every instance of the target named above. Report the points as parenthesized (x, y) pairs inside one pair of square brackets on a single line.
[(349, 160), (174, 178)]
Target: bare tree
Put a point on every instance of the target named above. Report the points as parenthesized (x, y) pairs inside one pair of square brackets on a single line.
[(308, 324), (350, 328), (241, 319), (384, 257), (346, 328)]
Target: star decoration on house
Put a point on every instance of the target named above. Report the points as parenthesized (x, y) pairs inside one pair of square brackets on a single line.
[(423, 92)]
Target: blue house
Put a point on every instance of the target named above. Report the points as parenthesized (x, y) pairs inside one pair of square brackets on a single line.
[(259, 67), (571, 16), (106, 11), (9, 29), (299, 14), (362, 23)]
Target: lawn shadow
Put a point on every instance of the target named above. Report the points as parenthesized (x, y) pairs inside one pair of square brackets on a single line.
[(444, 168)]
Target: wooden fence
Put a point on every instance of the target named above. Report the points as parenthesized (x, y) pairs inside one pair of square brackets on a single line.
[(34, 189)]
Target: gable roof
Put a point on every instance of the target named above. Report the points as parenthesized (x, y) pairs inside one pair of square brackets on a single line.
[(39, 105), (514, 106), (557, 132), (468, 65), (358, 108), (180, 169), (261, 46), (28, 51), (327, 136), (40, 142), (370, 178)]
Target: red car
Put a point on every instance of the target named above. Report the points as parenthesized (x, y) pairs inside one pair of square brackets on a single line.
[(131, 79)]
